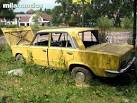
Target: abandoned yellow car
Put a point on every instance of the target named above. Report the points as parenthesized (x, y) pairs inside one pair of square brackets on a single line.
[(75, 49)]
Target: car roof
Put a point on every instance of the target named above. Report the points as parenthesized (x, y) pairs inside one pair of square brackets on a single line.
[(69, 30)]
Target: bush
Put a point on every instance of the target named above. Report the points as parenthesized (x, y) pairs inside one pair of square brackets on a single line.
[(104, 23), (73, 21), (127, 23)]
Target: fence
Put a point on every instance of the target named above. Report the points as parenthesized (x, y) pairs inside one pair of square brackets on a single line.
[(118, 37)]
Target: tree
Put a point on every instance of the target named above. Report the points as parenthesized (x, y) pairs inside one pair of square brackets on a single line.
[(57, 15), (6, 12), (48, 11), (82, 2), (91, 10), (112, 8), (69, 13)]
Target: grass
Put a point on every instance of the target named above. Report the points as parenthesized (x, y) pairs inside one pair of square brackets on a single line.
[(120, 29), (42, 85)]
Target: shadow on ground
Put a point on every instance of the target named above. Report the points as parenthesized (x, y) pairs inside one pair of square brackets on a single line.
[(120, 80)]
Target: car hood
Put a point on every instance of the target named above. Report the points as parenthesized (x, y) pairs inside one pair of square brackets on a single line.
[(16, 36), (115, 49)]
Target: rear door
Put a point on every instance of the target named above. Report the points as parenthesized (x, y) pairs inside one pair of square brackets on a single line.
[(16, 36), (59, 52)]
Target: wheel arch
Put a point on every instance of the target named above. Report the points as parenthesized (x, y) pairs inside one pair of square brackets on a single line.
[(80, 65), (18, 54)]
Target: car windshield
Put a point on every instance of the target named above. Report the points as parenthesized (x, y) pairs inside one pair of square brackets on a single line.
[(89, 38)]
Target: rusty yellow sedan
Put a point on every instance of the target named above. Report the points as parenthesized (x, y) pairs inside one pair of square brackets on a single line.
[(75, 49)]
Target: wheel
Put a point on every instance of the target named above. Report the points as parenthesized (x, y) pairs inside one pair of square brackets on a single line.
[(20, 58), (81, 75)]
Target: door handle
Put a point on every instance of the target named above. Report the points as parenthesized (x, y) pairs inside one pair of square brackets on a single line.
[(44, 50), (70, 53)]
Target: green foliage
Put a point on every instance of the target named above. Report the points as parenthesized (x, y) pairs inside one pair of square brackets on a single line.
[(57, 17), (6, 12), (73, 21), (36, 22), (96, 9), (104, 23), (127, 23)]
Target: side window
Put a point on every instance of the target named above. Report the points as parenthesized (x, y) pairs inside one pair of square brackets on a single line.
[(61, 40), (88, 38), (41, 39)]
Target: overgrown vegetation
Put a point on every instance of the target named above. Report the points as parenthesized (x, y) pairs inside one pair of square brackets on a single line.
[(42, 85), (127, 23), (104, 24)]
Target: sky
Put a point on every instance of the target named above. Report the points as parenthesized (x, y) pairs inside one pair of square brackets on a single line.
[(49, 4)]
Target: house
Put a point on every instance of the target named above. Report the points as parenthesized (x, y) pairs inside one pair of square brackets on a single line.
[(27, 19)]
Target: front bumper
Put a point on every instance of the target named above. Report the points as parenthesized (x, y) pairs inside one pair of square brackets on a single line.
[(122, 70)]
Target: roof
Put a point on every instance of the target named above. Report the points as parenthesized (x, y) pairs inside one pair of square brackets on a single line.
[(46, 17), (69, 30), (24, 17), (31, 11)]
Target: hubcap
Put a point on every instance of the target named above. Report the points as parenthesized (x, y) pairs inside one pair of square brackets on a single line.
[(80, 77)]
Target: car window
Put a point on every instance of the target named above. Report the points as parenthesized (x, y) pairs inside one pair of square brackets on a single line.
[(41, 39), (88, 38), (61, 40)]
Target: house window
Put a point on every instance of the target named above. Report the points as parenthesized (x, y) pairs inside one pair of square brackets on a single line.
[(22, 24)]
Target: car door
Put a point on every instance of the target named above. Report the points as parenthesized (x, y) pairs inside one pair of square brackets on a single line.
[(59, 52), (39, 49)]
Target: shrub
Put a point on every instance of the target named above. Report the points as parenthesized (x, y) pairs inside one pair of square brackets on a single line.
[(73, 21), (104, 23), (127, 23)]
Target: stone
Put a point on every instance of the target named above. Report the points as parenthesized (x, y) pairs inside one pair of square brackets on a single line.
[(16, 72)]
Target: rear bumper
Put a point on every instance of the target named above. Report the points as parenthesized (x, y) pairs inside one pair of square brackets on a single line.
[(122, 70)]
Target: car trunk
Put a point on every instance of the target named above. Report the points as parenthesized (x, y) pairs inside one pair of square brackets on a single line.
[(123, 52), (18, 36), (115, 49)]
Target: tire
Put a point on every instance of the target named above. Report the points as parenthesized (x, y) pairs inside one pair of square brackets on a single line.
[(81, 75), (20, 58)]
